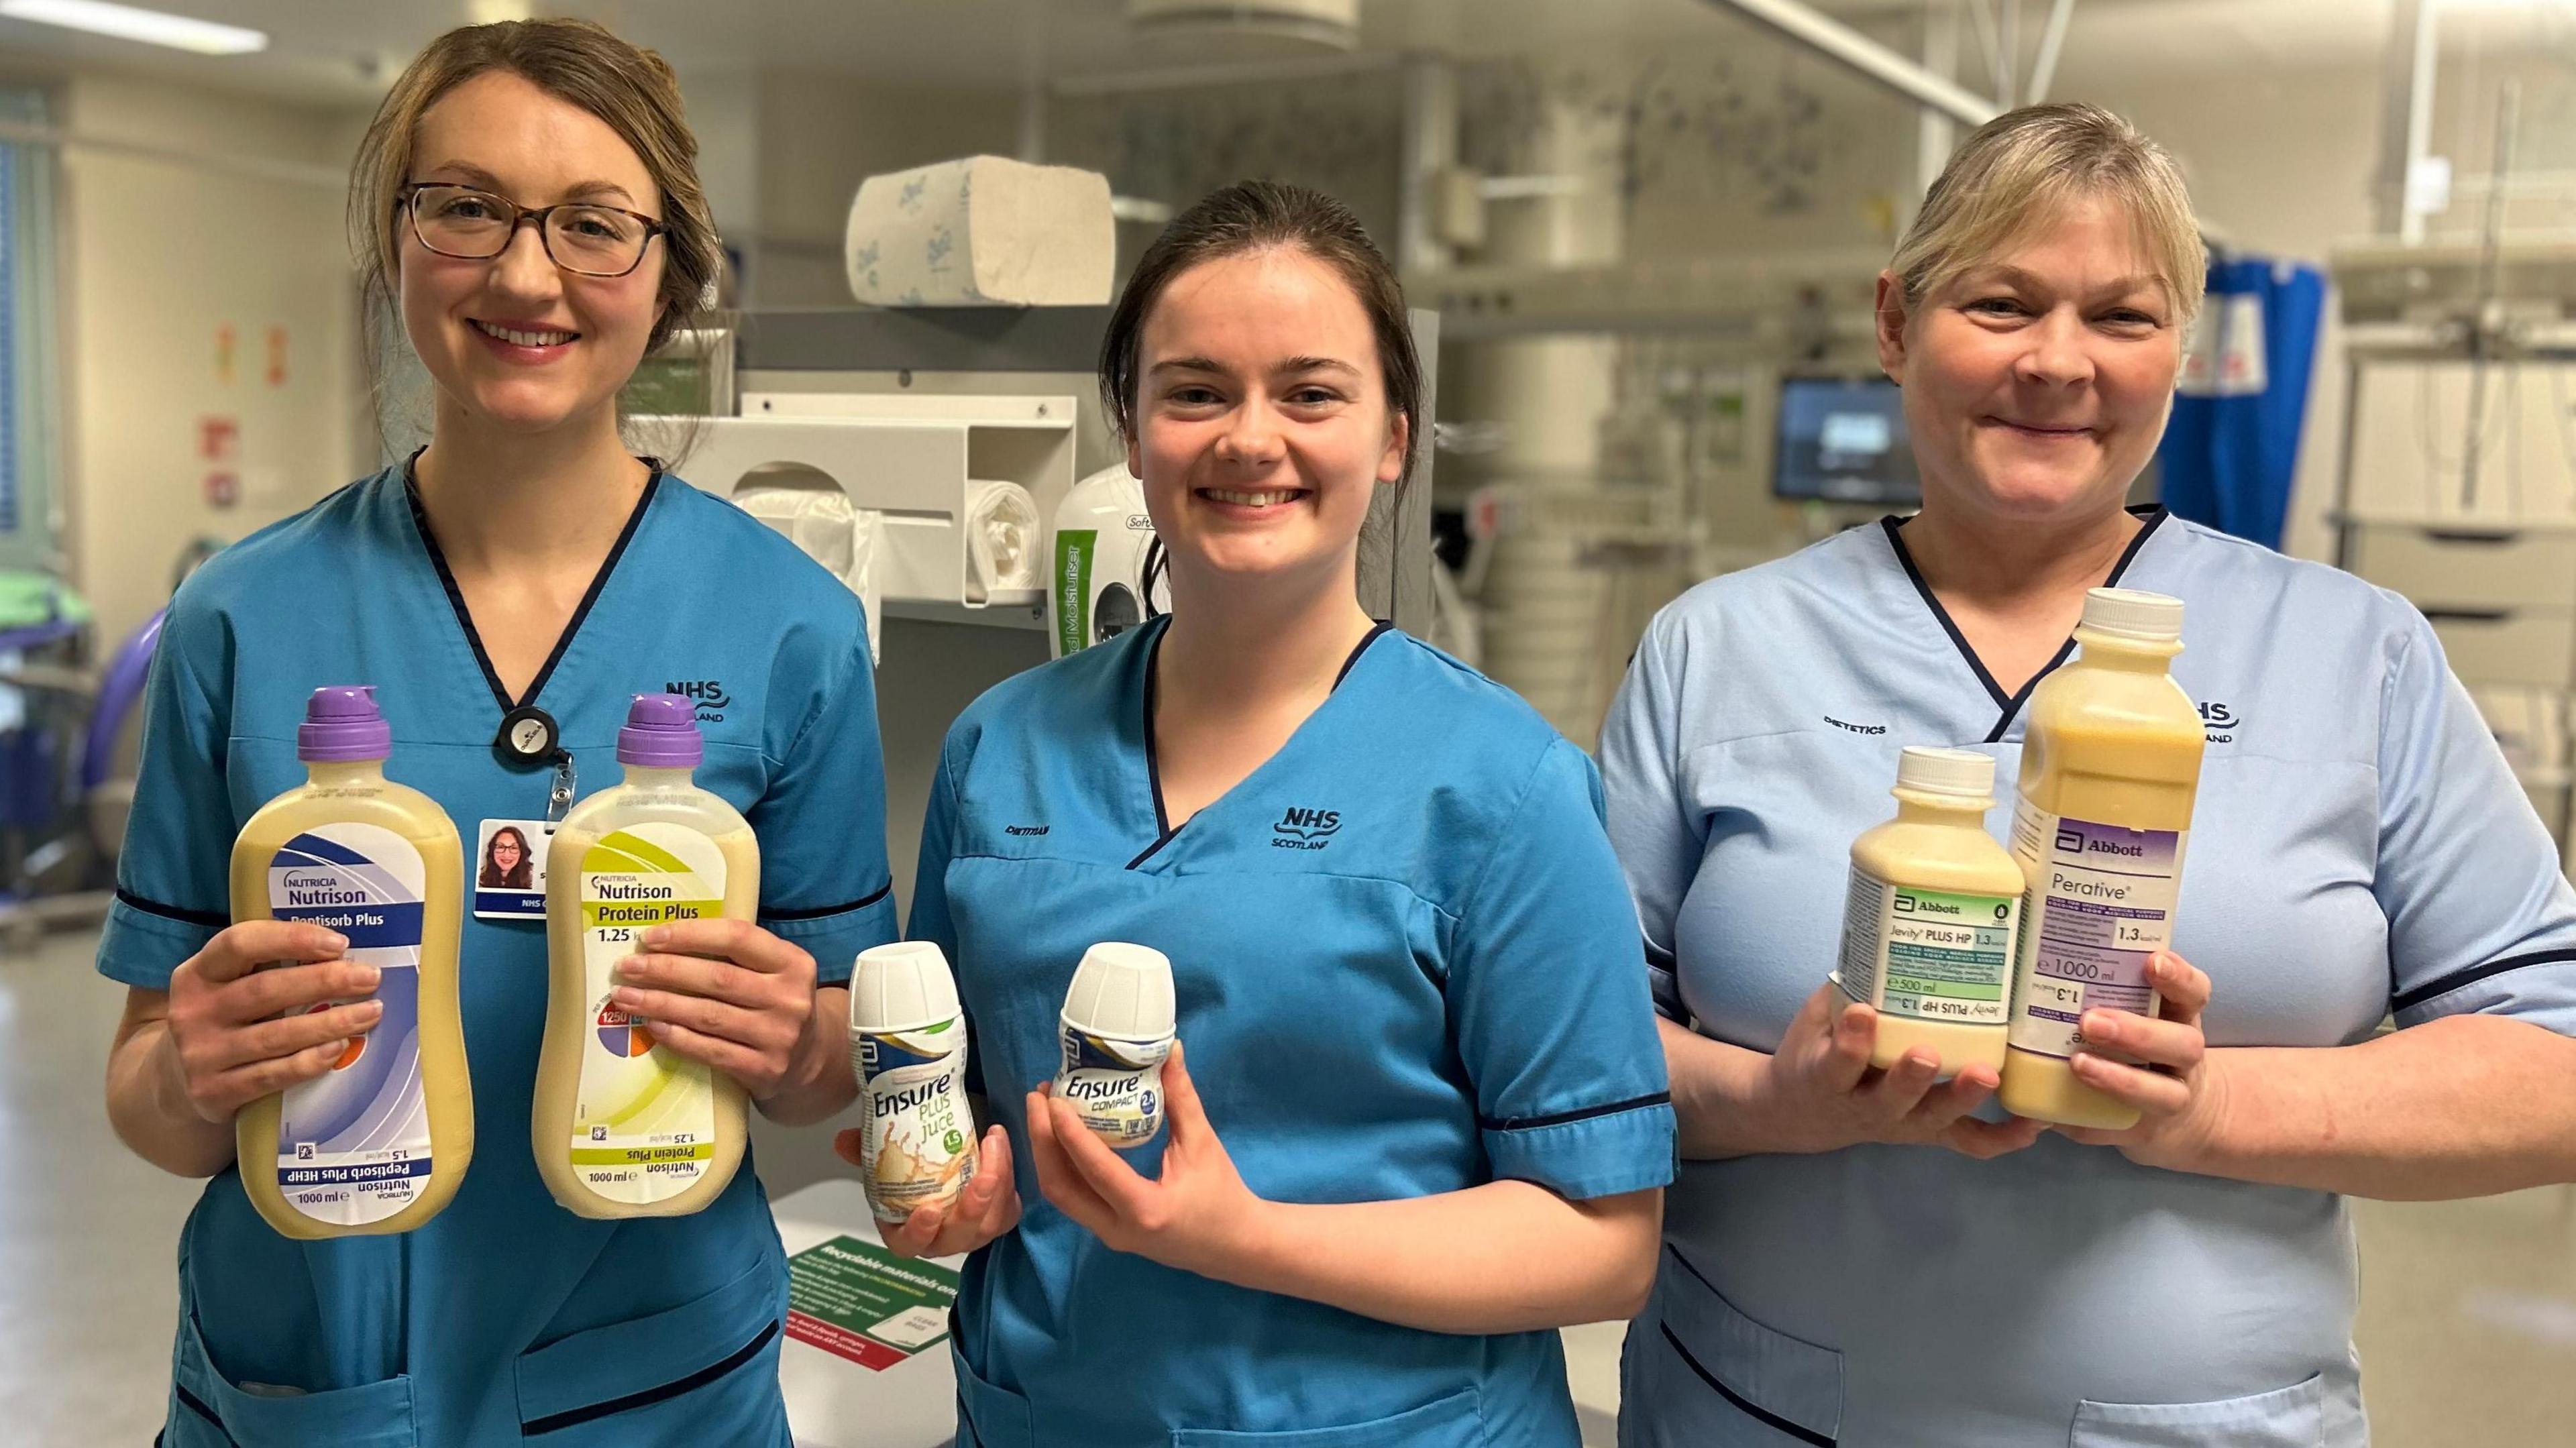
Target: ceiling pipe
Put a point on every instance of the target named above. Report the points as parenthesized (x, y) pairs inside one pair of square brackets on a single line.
[(1854, 51)]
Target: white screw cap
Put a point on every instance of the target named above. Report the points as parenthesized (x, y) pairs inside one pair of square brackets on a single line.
[(2129, 613), (1122, 990), (904, 986), (1959, 773)]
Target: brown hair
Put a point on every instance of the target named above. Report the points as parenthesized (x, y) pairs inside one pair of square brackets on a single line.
[(1256, 216), (576, 61), (2014, 173)]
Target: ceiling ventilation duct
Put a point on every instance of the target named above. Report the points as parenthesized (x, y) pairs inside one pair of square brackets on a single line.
[(1212, 30)]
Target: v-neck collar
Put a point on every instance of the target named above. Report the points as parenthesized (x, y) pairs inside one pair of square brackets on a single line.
[(1164, 829), (2151, 516), (465, 618)]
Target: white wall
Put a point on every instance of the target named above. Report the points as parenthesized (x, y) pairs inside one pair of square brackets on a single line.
[(158, 256)]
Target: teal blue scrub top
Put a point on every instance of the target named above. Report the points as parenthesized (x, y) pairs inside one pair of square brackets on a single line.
[(505, 1319), (1405, 965), (2360, 848)]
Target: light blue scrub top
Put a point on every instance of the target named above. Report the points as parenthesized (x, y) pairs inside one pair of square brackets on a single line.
[(1405, 965), (2360, 846), (505, 1318)]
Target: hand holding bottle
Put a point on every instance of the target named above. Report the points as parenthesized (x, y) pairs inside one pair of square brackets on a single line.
[(725, 993), (237, 1032), (1820, 1092)]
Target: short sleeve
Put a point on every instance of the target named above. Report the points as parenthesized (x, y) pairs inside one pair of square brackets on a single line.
[(2481, 918), (172, 887), (1552, 1019), (825, 883), (1658, 837)]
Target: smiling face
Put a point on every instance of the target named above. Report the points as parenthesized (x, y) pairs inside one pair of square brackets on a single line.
[(2037, 383), (506, 851), (1262, 423), (513, 341)]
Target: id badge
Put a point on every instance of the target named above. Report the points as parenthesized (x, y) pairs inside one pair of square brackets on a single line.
[(510, 870)]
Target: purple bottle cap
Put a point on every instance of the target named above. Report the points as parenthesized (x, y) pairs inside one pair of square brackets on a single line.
[(661, 733), (341, 726)]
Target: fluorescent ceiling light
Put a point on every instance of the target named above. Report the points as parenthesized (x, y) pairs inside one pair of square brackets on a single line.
[(128, 22)]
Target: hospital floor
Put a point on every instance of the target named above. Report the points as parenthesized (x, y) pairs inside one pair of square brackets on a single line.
[(2468, 1318)]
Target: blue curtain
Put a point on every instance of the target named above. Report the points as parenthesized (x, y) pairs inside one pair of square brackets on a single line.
[(2232, 449)]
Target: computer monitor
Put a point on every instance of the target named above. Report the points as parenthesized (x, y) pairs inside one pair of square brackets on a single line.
[(1843, 440)]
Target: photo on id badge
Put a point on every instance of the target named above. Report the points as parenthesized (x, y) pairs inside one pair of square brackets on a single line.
[(510, 870)]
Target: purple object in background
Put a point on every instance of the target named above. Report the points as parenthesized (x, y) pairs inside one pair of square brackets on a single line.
[(120, 694)]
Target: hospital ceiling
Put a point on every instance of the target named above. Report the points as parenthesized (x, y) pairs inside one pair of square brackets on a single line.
[(329, 52)]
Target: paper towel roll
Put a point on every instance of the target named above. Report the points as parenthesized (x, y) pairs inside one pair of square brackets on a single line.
[(1004, 539), (984, 231)]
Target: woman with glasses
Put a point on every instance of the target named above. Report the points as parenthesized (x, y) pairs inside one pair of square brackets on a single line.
[(526, 201)]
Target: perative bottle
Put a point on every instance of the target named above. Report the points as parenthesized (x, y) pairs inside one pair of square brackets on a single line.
[(2109, 770)]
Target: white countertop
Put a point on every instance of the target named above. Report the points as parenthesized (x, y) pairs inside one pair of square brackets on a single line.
[(835, 1403)]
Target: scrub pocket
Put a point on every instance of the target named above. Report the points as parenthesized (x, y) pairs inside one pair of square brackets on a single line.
[(212, 1410), (987, 1416), (703, 1372), (1451, 1422), (2291, 1417), (1700, 1374)]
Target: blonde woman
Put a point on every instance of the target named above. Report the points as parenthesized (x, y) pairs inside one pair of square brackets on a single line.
[(526, 200), (1868, 1258)]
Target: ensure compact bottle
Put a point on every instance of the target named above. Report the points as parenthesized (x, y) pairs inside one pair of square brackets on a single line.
[(908, 1050), (379, 1143), (1116, 1032)]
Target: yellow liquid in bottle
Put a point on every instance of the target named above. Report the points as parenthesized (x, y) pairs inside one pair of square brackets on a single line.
[(380, 1143), (2109, 771), (624, 1126), (1929, 930)]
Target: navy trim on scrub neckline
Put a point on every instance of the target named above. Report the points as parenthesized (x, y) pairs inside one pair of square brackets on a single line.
[(2153, 515), (571, 1417), (572, 627), (1164, 829), (212, 920), (2471, 975)]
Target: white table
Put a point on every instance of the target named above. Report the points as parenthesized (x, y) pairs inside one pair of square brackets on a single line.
[(833, 1402)]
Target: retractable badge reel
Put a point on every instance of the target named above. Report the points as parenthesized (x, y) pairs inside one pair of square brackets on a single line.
[(510, 853)]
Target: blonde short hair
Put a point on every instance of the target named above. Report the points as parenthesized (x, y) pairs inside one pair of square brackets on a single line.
[(2019, 169)]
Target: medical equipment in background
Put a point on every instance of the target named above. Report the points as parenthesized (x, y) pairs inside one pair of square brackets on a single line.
[(1108, 571), (61, 816), (1843, 440), (2456, 482), (1639, 448)]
